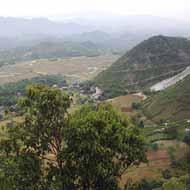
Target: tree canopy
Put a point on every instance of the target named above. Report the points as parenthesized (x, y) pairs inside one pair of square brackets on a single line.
[(54, 150)]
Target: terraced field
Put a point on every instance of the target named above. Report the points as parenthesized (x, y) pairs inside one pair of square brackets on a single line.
[(157, 162)]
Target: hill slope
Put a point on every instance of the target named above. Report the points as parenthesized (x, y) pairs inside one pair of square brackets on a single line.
[(151, 61), (170, 104)]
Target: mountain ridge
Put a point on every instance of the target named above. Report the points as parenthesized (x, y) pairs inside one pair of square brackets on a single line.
[(152, 61)]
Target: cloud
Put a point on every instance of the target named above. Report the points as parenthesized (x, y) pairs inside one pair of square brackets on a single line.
[(165, 8)]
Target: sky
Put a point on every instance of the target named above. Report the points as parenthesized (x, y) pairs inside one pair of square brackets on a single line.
[(178, 9)]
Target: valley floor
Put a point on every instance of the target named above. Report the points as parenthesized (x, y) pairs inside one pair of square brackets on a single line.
[(76, 68)]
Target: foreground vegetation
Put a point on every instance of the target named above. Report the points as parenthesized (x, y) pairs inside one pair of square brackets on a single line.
[(48, 146), (52, 149), (93, 147)]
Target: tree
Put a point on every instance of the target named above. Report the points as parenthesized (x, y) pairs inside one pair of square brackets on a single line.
[(166, 174), (40, 138), (46, 118), (100, 147), (54, 150)]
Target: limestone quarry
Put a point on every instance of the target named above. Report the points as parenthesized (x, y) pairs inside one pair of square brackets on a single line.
[(171, 81)]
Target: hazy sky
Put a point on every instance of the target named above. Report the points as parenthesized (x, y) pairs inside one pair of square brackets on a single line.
[(179, 9)]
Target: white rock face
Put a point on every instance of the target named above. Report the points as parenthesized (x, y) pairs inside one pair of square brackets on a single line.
[(171, 81)]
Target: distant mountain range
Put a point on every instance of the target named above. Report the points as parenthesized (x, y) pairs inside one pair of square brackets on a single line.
[(18, 27), (116, 42), (119, 32), (151, 61)]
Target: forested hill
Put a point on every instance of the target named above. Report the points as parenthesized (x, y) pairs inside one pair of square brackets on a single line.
[(170, 104), (151, 61)]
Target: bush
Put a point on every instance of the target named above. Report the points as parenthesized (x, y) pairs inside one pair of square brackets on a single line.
[(149, 184), (166, 174), (136, 105)]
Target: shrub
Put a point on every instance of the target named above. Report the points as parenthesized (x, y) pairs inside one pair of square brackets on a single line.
[(154, 147), (166, 174)]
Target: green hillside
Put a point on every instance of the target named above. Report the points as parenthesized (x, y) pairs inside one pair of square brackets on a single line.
[(151, 61), (170, 104)]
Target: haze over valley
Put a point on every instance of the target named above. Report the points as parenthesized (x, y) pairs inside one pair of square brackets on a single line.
[(95, 95)]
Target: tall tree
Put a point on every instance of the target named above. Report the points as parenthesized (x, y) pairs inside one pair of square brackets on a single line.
[(39, 138), (46, 118), (54, 150), (101, 145)]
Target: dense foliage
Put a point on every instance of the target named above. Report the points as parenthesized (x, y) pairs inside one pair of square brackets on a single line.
[(54, 150), (11, 91)]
